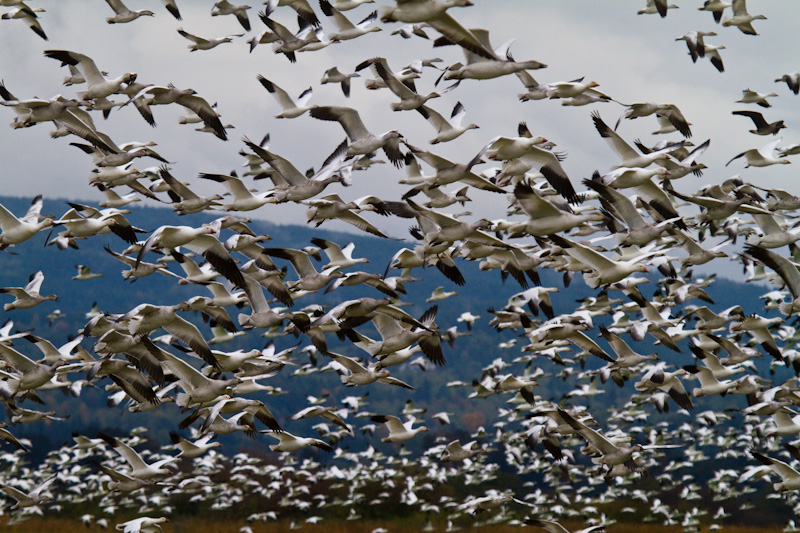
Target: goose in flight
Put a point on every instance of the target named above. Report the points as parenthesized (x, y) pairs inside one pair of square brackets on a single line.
[(290, 108), (29, 499), (346, 29), (185, 201), (29, 295), (761, 157), (604, 271), (792, 80), (289, 443), (122, 14), (199, 240), (544, 217), (155, 95), (333, 75), (434, 13), (786, 269), (398, 431), (16, 231), (243, 199), (762, 126), (362, 141), (98, 86), (409, 98), (455, 452), (139, 468), (716, 8), (446, 130), (223, 7), (358, 375), (790, 478), (630, 157), (754, 97), (201, 43), (27, 15), (449, 172), (741, 18)]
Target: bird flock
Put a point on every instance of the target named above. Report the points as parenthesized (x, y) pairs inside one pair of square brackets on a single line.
[(639, 227)]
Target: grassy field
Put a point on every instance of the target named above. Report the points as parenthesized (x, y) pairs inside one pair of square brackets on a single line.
[(50, 525)]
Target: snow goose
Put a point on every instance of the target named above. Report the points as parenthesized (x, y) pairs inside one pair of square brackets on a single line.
[(31, 498), (709, 384), (185, 201), (712, 53), (544, 217), (409, 98), (286, 42), (639, 232), (122, 14), (27, 15), (437, 197), (32, 375), (243, 199), (762, 126), (480, 67), (695, 42), (338, 257), (291, 185), (199, 240), (792, 80), (398, 431), (145, 318), (29, 295), (446, 130), (455, 452), (362, 141), (754, 97), (741, 18), (156, 95), (16, 231), (84, 221), (355, 374), (790, 478), (197, 388), (333, 207), (449, 172), (630, 157), (604, 271), (434, 12), (761, 157), (143, 524), (657, 6), (201, 43), (290, 108), (348, 30), (194, 449), (716, 7), (223, 7), (333, 75), (289, 443), (115, 200), (139, 468), (98, 86), (787, 271)]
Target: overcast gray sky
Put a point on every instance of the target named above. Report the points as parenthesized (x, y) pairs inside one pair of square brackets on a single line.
[(634, 58)]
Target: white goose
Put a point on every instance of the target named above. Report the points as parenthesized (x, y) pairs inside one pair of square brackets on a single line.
[(123, 14), (604, 270), (398, 431), (291, 109)]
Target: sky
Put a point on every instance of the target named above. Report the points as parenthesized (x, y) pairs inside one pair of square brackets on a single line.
[(633, 58)]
